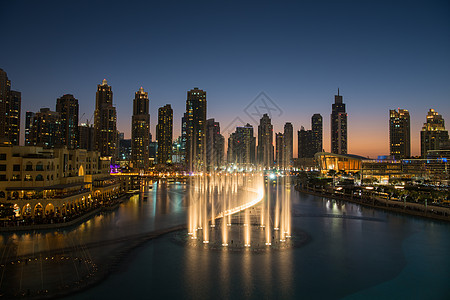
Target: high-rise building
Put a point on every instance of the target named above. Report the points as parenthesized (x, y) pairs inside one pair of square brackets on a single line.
[(317, 132), (183, 139), (105, 119), (399, 133), (67, 107), (195, 129), (87, 136), (29, 116), (338, 126), (140, 131), (242, 146), (164, 134), (288, 146), (46, 130), (10, 104), (279, 149), (306, 147), (265, 142), (215, 144), (433, 135)]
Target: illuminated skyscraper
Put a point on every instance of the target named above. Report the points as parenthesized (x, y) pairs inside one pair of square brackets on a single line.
[(29, 116), (86, 136), (164, 135), (105, 119), (279, 149), (10, 103), (288, 146), (433, 135), (317, 132), (306, 148), (338, 126), (195, 129), (67, 107), (140, 131), (215, 144), (265, 142), (399, 133)]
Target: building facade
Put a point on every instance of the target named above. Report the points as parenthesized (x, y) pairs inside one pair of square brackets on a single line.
[(215, 144), (317, 132), (288, 146), (338, 126), (279, 149), (399, 133), (140, 131), (46, 129), (164, 134), (242, 146)]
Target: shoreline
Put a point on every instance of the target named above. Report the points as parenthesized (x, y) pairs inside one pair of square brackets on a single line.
[(386, 205), (76, 221)]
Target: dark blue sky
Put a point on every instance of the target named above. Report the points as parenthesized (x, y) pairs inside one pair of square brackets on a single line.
[(382, 55)]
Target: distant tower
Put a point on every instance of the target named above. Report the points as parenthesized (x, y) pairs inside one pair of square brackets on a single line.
[(195, 129), (105, 119), (288, 146), (265, 142), (399, 133), (306, 147), (242, 146), (279, 149), (87, 135), (10, 105), (67, 107), (164, 134), (338, 126), (215, 144), (140, 131), (317, 132), (433, 135), (29, 117)]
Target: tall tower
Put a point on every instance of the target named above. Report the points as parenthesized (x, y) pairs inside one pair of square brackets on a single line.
[(317, 132), (288, 146), (242, 146), (164, 134), (105, 119), (399, 133), (10, 104), (46, 129), (140, 130), (67, 107), (265, 142), (215, 144), (195, 129), (279, 149), (433, 133), (305, 144), (338, 126), (29, 119)]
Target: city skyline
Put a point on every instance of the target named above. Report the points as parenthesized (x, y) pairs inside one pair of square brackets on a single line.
[(400, 62)]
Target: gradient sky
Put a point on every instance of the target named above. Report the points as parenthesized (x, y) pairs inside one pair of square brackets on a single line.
[(381, 54)]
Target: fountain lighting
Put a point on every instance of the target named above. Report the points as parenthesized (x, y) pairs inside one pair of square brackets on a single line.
[(268, 244), (205, 242), (225, 245)]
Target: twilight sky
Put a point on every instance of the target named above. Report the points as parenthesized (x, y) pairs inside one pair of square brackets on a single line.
[(381, 54)]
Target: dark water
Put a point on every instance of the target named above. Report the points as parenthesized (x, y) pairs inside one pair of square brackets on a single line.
[(355, 253)]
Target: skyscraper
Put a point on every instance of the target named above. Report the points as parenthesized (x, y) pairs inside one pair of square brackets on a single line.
[(195, 129), (338, 126), (29, 116), (317, 132), (433, 135), (10, 104), (87, 135), (265, 142), (105, 119), (306, 148), (164, 134), (140, 131), (46, 129), (67, 107), (399, 133), (215, 144), (242, 146), (279, 149), (288, 146)]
